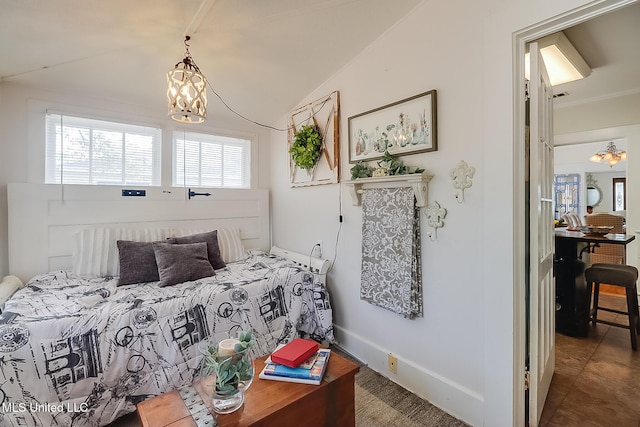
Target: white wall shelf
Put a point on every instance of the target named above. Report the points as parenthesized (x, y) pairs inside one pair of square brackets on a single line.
[(418, 181)]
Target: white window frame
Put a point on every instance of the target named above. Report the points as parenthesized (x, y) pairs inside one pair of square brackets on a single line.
[(220, 141), (54, 166)]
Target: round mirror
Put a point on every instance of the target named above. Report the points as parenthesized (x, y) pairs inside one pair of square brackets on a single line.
[(594, 195)]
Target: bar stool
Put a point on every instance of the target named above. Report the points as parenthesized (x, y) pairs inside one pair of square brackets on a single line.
[(617, 275)]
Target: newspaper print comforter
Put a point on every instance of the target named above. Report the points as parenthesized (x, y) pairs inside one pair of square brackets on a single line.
[(82, 352)]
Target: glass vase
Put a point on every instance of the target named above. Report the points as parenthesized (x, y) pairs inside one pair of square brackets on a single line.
[(233, 375)]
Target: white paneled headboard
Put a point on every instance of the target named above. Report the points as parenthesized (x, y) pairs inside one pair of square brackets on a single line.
[(44, 217)]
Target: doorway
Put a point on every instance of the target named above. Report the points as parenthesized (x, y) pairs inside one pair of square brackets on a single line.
[(540, 31)]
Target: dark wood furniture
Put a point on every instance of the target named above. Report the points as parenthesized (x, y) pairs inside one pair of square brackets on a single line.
[(625, 276), (270, 403), (571, 261)]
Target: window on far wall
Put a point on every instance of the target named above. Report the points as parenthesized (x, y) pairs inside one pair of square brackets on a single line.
[(619, 194), (97, 152), (203, 160), (567, 194)]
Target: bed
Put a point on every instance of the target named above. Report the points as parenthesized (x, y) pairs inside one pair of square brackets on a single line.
[(84, 351), (79, 347)]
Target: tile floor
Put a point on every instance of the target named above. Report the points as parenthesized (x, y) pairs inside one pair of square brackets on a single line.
[(597, 378)]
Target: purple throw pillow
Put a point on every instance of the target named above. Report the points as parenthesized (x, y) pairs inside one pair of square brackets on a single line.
[(213, 248), (182, 263), (137, 262)]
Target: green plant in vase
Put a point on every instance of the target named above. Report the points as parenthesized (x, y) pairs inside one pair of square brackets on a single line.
[(231, 363)]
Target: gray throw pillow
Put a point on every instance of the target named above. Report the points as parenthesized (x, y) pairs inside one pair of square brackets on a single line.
[(182, 263), (137, 262), (213, 248)]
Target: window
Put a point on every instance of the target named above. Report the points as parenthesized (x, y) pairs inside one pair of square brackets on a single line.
[(619, 194), (202, 160), (567, 194), (88, 151)]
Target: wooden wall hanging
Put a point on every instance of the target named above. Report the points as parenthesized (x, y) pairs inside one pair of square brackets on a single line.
[(324, 113)]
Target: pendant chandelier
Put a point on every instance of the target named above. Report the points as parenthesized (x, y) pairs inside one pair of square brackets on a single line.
[(610, 155), (187, 90)]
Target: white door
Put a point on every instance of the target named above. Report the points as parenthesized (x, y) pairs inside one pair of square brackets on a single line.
[(541, 238)]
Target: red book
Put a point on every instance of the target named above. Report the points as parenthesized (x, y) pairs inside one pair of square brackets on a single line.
[(294, 353)]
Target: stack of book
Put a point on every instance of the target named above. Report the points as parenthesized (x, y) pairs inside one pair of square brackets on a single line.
[(300, 361)]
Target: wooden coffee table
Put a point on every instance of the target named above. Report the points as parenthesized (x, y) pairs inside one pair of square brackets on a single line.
[(267, 402)]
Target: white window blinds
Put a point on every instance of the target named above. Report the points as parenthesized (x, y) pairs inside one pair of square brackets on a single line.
[(202, 160), (88, 151)]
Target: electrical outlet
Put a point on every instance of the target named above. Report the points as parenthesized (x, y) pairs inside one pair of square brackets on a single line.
[(393, 363), (317, 249)]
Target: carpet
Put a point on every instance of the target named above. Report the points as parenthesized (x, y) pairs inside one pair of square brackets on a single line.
[(382, 403)]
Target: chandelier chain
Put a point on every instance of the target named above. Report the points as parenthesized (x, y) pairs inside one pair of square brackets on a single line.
[(188, 61)]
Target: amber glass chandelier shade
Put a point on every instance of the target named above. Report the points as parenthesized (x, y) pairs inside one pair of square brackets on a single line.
[(611, 155)]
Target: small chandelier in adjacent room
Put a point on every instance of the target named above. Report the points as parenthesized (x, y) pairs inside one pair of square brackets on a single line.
[(610, 155), (187, 90)]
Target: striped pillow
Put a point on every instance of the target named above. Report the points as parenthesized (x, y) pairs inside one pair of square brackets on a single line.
[(95, 250), (231, 247)]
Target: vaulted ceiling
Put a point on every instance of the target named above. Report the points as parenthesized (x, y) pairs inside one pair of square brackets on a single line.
[(260, 56)]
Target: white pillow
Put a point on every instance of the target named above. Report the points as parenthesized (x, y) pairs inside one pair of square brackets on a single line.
[(231, 247), (95, 252)]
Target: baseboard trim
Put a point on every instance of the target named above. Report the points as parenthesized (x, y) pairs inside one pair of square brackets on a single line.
[(447, 395)]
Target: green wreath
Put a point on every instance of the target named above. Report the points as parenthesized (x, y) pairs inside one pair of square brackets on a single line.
[(306, 148)]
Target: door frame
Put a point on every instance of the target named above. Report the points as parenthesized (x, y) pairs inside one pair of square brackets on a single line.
[(519, 42)]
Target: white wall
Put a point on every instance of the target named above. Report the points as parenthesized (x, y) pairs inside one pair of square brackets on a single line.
[(604, 180), (5, 161), (440, 355), (22, 138), (464, 355)]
